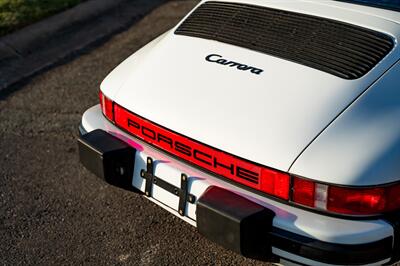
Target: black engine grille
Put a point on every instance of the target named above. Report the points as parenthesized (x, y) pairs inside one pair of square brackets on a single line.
[(338, 48)]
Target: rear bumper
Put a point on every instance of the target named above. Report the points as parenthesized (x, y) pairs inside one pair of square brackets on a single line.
[(82, 130), (290, 233)]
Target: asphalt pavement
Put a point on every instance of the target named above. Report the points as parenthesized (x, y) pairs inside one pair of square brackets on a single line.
[(40, 46), (52, 210)]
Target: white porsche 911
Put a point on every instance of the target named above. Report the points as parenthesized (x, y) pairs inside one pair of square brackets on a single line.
[(271, 126)]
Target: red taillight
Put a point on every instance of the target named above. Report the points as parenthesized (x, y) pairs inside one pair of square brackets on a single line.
[(304, 192), (356, 201), (106, 106), (261, 178), (393, 195), (346, 200), (275, 183)]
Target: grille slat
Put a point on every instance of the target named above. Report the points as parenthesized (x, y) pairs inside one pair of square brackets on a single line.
[(341, 49), (330, 58), (195, 27), (347, 58)]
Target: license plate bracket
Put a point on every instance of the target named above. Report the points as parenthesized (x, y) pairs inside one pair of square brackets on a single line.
[(182, 192)]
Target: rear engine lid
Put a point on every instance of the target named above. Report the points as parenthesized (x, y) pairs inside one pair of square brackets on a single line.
[(255, 105)]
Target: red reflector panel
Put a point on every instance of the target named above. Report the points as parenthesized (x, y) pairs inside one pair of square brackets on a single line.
[(304, 192), (356, 201), (393, 201), (261, 178), (106, 106)]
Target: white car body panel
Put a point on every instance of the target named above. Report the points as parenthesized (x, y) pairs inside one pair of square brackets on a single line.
[(170, 83), (362, 146), (386, 14), (290, 218)]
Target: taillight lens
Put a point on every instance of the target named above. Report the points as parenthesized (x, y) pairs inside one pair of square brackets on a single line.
[(275, 183), (304, 192), (106, 106), (346, 200), (393, 195), (356, 201)]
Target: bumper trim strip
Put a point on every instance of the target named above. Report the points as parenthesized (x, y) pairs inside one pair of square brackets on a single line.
[(331, 253), (82, 130)]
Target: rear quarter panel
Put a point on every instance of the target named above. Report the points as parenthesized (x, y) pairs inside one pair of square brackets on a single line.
[(362, 146)]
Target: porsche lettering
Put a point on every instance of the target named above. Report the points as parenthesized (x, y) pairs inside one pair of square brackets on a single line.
[(186, 150)]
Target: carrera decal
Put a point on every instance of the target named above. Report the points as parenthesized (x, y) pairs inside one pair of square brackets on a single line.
[(215, 58)]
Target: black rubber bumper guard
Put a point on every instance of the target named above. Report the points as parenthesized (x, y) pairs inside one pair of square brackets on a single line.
[(224, 217), (394, 220)]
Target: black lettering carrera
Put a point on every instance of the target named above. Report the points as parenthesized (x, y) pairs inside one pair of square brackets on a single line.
[(244, 67), (233, 64), (215, 58), (222, 62), (209, 57), (256, 71)]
